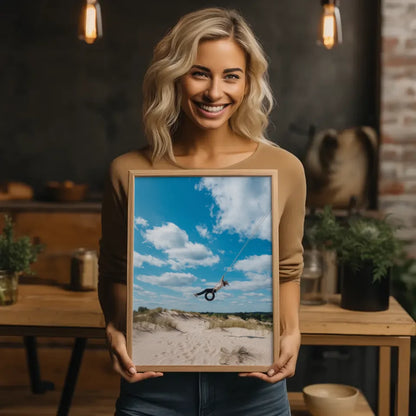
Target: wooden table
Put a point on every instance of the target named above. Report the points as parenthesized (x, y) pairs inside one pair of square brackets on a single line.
[(329, 324), (54, 311)]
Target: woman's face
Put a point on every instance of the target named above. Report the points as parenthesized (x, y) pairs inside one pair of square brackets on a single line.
[(214, 87)]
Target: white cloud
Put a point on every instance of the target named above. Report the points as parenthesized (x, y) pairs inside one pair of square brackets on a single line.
[(175, 243), (243, 205), (140, 221), (256, 281), (169, 297), (141, 293), (203, 231), (188, 291), (249, 285), (257, 264), (166, 236), (168, 279), (191, 255), (139, 259)]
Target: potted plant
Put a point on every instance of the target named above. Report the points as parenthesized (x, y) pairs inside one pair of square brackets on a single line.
[(16, 256), (367, 249)]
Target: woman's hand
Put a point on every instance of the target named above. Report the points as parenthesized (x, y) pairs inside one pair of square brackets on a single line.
[(286, 363), (122, 363)]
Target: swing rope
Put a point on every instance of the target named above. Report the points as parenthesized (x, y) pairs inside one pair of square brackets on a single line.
[(255, 229)]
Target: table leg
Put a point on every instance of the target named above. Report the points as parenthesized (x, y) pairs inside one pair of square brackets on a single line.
[(37, 385), (384, 377), (71, 376), (403, 377)]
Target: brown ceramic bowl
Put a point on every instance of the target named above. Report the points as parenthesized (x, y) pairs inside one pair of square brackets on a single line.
[(66, 191), (330, 399)]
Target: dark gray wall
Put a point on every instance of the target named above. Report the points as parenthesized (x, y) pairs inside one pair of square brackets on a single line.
[(68, 108)]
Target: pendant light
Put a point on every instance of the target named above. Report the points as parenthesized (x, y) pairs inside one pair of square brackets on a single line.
[(330, 32), (90, 27)]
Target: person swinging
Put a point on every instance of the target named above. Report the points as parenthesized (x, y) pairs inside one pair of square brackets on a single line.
[(210, 292)]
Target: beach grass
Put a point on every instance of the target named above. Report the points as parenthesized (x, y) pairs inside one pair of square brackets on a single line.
[(154, 318), (238, 323), (238, 355), (161, 318)]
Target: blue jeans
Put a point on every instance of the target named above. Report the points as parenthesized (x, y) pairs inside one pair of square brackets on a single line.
[(202, 394)]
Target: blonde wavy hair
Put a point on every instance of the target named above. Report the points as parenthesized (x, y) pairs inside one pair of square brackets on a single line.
[(174, 56)]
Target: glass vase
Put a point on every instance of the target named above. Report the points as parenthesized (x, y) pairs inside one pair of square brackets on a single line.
[(8, 287), (311, 285)]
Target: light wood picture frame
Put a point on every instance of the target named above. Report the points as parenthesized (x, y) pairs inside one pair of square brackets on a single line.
[(203, 270)]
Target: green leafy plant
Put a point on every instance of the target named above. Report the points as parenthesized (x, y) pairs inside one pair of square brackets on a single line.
[(16, 255), (357, 240)]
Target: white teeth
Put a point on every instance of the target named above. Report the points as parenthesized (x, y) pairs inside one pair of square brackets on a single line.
[(212, 109)]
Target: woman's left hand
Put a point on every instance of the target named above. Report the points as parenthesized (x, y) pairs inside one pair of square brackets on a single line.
[(286, 363)]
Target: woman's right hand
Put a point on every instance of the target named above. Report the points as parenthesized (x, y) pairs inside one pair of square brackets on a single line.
[(122, 363)]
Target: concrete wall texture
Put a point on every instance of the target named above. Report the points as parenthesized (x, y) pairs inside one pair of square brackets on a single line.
[(397, 184)]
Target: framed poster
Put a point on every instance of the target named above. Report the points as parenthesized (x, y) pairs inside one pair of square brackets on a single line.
[(203, 270)]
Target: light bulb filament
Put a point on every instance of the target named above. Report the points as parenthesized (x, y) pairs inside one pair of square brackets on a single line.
[(90, 23), (330, 30), (90, 27)]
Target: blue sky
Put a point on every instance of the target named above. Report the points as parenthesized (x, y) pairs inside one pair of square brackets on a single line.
[(187, 233)]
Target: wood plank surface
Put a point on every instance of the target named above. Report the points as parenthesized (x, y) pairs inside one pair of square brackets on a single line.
[(53, 306), (330, 318), (49, 206)]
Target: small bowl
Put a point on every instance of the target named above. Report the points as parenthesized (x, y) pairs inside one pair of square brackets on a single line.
[(330, 399)]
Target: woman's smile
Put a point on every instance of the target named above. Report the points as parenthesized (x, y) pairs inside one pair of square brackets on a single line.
[(210, 110)]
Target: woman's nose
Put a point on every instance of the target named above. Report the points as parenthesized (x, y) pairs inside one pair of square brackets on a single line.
[(213, 92)]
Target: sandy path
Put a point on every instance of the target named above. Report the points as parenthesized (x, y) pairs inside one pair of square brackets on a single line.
[(194, 344)]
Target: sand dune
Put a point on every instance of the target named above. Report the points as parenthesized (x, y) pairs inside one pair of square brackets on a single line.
[(178, 338)]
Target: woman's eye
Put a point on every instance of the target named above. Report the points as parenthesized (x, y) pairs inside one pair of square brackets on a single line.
[(232, 76), (199, 74)]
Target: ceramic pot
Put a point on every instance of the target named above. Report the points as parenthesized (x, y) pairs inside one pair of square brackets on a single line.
[(360, 293), (8, 287)]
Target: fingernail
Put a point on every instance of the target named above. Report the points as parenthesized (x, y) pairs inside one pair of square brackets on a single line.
[(132, 371), (271, 372)]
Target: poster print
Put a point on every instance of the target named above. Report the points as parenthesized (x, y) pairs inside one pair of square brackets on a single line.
[(203, 270)]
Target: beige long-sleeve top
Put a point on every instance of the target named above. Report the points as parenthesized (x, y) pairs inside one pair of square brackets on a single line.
[(290, 212)]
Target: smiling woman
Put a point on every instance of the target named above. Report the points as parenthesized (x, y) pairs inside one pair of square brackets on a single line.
[(188, 46), (206, 105)]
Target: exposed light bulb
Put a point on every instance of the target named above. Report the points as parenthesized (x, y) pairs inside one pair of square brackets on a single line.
[(90, 28), (330, 33)]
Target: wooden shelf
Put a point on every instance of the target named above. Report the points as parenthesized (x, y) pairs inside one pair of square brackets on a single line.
[(46, 206), (298, 406)]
